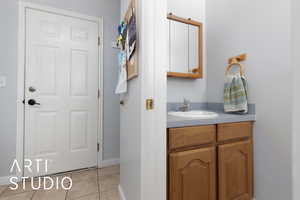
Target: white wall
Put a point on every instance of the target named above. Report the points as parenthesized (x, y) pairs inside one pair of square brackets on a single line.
[(109, 10), (143, 134), (130, 142), (261, 29), (178, 89), (8, 95)]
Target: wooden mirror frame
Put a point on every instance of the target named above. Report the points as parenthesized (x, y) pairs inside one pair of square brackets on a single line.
[(198, 70)]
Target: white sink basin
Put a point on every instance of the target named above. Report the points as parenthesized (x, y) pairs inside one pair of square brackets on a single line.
[(195, 114)]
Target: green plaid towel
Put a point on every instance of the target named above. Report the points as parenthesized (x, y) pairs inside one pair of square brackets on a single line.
[(235, 94)]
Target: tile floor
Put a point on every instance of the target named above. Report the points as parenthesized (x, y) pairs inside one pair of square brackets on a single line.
[(93, 184)]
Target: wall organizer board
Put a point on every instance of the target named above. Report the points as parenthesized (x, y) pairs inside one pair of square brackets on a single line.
[(131, 41)]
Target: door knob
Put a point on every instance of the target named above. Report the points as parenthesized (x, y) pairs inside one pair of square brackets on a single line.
[(32, 102)]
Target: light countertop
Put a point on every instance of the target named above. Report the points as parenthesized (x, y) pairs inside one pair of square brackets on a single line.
[(175, 122)]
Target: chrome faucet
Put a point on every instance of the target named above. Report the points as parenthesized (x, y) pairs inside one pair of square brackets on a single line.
[(186, 105)]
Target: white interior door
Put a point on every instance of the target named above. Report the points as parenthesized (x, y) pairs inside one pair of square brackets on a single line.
[(62, 76)]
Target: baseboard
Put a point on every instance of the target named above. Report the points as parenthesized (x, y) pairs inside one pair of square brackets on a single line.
[(110, 162), (121, 193)]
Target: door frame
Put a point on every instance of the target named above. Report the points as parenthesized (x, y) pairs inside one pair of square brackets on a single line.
[(154, 59), (21, 76)]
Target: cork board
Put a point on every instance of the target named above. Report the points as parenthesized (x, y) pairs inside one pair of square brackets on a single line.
[(132, 63)]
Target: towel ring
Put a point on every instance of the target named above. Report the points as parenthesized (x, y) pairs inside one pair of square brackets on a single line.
[(233, 64)]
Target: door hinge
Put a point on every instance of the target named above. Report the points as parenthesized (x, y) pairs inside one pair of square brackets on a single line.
[(99, 41), (98, 147), (149, 104), (99, 93)]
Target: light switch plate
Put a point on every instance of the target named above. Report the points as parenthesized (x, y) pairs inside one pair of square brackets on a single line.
[(2, 81)]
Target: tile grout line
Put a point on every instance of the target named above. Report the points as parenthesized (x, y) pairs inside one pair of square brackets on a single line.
[(34, 192), (86, 195), (110, 175)]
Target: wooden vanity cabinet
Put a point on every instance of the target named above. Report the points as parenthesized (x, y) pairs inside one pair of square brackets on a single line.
[(193, 174), (235, 171), (215, 164)]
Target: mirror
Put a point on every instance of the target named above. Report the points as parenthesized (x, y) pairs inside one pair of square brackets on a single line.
[(185, 48), (178, 45)]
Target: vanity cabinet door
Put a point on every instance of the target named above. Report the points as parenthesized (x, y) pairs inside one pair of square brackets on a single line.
[(235, 171), (192, 175)]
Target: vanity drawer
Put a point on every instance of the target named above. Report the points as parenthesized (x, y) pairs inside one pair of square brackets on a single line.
[(232, 131), (191, 136)]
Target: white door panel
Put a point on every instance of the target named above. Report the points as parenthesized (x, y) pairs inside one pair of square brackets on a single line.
[(62, 65)]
